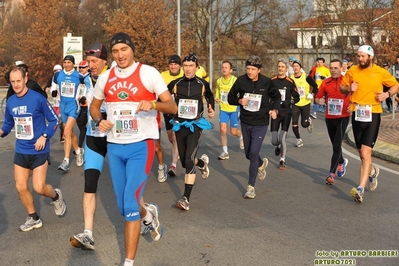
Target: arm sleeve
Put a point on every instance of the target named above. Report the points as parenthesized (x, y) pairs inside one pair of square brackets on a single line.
[(321, 91), (312, 84), (51, 117), (275, 97), (209, 96), (233, 95), (8, 123), (294, 93)]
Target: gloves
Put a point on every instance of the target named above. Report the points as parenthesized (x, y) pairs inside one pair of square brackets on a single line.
[(82, 100), (54, 93), (309, 96)]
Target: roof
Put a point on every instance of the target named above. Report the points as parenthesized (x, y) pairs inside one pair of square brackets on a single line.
[(377, 16)]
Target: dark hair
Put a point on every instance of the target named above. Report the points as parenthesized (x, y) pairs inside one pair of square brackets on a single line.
[(322, 59), (336, 60), (228, 62)]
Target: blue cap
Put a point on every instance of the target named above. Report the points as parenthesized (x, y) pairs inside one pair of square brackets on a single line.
[(291, 58), (344, 61)]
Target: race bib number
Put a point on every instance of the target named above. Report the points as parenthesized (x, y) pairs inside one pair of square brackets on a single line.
[(188, 109), (67, 89), (301, 91), (253, 103), (223, 96), (23, 128), (317, 76), (363, 113), (283, 93), (335, 106), (125, 124)]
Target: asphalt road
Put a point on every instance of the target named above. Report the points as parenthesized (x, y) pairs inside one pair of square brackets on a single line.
[(292, 220)]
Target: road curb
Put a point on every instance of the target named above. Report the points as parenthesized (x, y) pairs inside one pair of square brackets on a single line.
[(383, 150)]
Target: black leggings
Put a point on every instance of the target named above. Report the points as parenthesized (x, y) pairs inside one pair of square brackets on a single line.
[(304, 111), (187, 144), (336, 128), (81, 121)]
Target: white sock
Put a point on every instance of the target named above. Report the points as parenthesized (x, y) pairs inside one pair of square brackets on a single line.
[(89, 232), (160, 166), (173, 164), (77, 152), (66, 159), (372, 171), (148, 218), (225, 149), (282, 159), (128, 262)]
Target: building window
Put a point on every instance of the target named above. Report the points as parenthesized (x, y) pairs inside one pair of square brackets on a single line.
[(355, 40), (320, 41), (313, 41)]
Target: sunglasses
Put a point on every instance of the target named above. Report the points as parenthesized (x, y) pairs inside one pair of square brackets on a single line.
[(91, 52), (82, 67)]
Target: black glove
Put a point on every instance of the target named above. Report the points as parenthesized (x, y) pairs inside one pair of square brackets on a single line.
[(54, 93), (322, 77), (82, 100)]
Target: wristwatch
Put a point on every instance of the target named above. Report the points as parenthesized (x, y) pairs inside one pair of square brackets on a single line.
[(98, 121), (44, 135)]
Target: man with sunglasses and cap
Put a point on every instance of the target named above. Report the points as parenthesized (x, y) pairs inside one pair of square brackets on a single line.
[(130, 91), (95, 149), (68, 81)]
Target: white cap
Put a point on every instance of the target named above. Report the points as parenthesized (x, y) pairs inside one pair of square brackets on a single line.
[(57, 67), (18, 63), (366, 49)]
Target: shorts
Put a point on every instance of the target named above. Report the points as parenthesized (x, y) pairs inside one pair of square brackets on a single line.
[(365, 133), (69, 109), (31, 161), (224, 117)]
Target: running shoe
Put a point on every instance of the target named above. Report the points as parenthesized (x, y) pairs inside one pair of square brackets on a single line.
[(310, 127), (250, 194), (79, 157), (224, 156), (357, 194), (59, 204), (64, 166), (83, 241), (313, 115), (341, 169), (282, 165), (262, 169), (144, 228), (373, 179), (162, 175), (241, 143), (299, 143), (156, 229), (277, 151), (183, 204), (31, 224), (172, 171), (204, 170), (330, 179)]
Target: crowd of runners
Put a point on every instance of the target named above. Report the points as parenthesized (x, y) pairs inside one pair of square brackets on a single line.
[(118, 112)]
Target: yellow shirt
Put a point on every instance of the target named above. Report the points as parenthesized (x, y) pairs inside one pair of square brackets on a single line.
[(370, 81), (303, 89), (167, 77), (223, 87), (201, 73), (321, 71)]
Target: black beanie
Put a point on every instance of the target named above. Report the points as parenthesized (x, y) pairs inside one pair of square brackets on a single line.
[(97, 50), (122, 37), (175, 59), (70, 58)]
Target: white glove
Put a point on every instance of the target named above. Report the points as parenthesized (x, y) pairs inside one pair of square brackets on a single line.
[(309, 96)]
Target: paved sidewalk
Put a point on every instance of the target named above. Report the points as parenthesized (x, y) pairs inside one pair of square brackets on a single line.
[(387, 145)]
